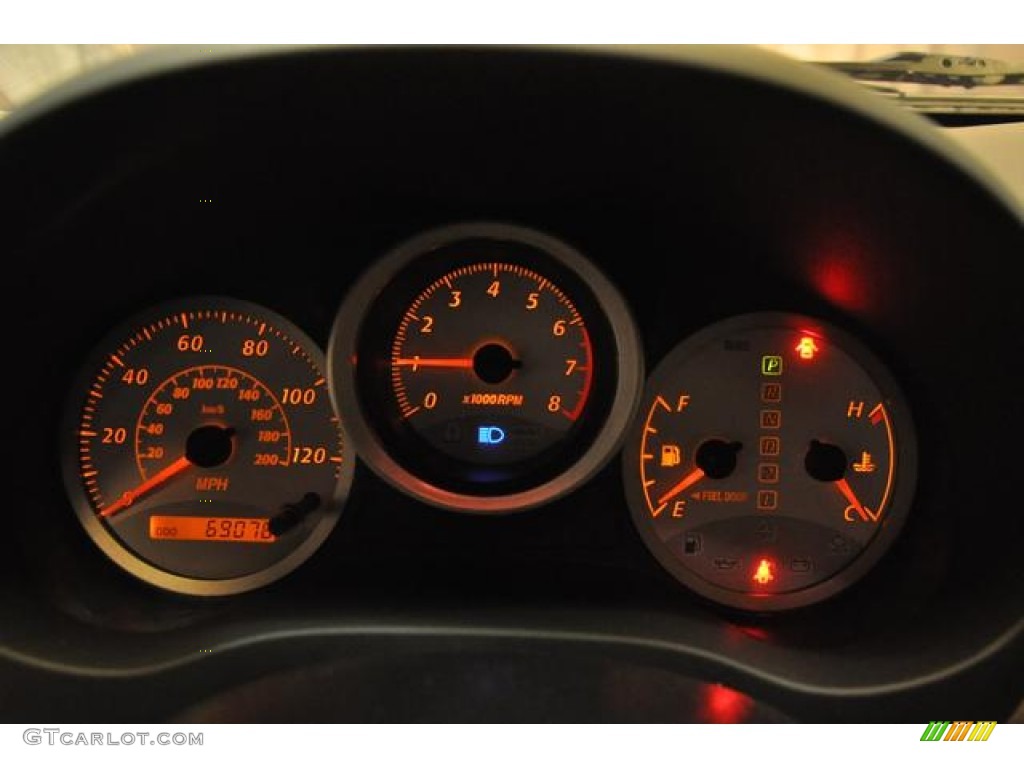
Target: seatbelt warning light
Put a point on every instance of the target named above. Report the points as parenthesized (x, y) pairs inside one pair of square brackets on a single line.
[(807, 348), (765, 572)]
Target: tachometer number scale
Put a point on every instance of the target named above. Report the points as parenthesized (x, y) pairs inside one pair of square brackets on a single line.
[(499, 396)]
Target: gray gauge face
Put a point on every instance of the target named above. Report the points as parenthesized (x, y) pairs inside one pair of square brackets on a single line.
[(772, 463), (201, 449), (485, 368)]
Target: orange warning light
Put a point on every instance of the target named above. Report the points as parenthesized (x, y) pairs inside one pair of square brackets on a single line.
[(807, 348), (765, 572)]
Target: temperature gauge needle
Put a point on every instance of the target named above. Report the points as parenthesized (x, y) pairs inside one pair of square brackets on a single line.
[(162, 477), (848, 494), (682, 485)]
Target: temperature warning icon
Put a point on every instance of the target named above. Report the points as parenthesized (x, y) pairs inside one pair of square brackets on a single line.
[(865, 465)]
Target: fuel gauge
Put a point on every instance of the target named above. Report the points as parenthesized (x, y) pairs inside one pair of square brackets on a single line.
[(773, 462)]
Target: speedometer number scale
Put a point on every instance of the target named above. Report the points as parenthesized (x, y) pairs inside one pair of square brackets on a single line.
[(207, 458)]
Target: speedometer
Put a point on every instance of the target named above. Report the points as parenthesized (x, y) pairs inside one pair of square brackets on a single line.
[(485, 367), (202, 453)]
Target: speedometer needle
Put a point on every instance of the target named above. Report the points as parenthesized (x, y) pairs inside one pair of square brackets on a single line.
[(682, 485), (162, 477), (848, 494)]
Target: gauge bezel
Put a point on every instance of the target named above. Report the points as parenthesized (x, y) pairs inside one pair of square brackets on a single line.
[(386, 274), (117, 551), (904, 475)]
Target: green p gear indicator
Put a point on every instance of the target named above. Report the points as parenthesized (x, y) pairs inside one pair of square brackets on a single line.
[(771, 365)]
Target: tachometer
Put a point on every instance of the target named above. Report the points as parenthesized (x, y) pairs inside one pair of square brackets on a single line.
[(773, 462), (202, 453), (485, 367)]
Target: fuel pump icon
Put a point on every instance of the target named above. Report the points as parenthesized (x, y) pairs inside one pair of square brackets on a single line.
[(671, 456)]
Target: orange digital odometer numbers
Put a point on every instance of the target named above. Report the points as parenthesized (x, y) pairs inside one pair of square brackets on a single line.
[(254, 530), (199, 429)]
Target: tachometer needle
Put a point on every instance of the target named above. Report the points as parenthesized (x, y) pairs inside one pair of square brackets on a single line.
[(848, 494), (162, 477), (682, 485), (434, 362)]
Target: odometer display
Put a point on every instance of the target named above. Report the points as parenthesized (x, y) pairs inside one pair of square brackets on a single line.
[(255, 530), (200, 429)]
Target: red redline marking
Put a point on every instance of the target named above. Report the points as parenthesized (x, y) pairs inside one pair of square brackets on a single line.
[(588, 379)]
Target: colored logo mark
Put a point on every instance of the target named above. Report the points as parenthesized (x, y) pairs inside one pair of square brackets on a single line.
[(958, 731)]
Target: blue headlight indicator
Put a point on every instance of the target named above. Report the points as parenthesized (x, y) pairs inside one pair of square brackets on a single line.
[(490, 435)]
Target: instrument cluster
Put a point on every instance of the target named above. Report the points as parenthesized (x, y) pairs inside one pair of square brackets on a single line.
[(699, 363), (487, 369)]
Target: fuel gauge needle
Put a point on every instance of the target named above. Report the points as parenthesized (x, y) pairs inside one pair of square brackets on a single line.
[(682, 485), (848, 494), (162, 477)]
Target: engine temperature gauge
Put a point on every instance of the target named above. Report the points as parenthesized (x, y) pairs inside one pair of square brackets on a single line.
[(773, 463)]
